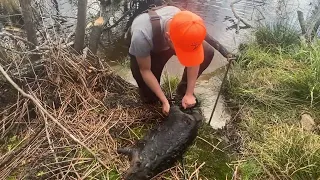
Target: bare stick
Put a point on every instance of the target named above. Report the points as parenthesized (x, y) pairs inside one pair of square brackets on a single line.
[(15, 37), (237, 16), (38, 48), (49, 141), (36, 102), (196, 170)]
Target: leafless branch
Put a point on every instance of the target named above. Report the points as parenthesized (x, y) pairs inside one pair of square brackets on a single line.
[(238, 17), (37, 103)]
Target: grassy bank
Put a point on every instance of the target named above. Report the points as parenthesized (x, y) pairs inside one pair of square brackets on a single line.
[(275, 80)]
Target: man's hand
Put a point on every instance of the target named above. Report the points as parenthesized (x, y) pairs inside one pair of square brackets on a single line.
[(188, 101), (165, 108)]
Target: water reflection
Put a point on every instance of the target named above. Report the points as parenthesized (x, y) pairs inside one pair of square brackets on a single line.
[(217, 14)]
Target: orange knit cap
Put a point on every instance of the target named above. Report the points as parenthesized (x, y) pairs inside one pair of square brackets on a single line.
[(187, 32)]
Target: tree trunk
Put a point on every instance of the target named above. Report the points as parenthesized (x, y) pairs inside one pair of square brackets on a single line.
[(97, 28), (302, 22), (29, 26), (95, 35), (81, 25)]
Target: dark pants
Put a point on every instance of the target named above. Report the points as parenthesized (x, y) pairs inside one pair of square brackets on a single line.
[(158, 61)]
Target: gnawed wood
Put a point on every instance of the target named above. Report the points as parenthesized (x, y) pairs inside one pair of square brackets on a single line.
[(95, 35)]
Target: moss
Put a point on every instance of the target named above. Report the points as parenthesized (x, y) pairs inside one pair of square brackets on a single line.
[(111, 174), (215, 166), (139, 131), (250, 169), (9, 143)]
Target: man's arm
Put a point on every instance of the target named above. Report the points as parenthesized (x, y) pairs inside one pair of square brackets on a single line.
[(149, 78), (189, 100), (192, 74)]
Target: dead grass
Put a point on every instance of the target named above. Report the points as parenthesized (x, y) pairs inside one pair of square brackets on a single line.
[(98, 107), (81, 97)]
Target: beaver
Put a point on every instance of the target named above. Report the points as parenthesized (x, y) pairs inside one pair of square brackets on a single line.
[(162, 146)]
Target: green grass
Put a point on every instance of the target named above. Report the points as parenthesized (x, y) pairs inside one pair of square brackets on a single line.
[(170, 84), (286, 152), (278, 35), (276, 78), (216, 160)]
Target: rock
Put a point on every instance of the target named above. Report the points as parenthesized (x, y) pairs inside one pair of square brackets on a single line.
[(307, 122)]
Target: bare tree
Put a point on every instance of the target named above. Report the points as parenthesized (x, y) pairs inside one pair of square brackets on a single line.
[(29, 25), (81, 25), (97, 27)]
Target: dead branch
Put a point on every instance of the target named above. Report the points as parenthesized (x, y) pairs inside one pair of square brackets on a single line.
[(247, 25), (36, 48), (302, 22), (16, 37), (10, 156), (118, 21), (37, 103), (46, 124)]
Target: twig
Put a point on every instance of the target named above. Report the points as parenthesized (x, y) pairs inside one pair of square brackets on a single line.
[(238, 17), (35, 101), (215, 147), (37, 48), (15, 37), (6, 159), (49, 141), (235, 174), (196, 170)]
